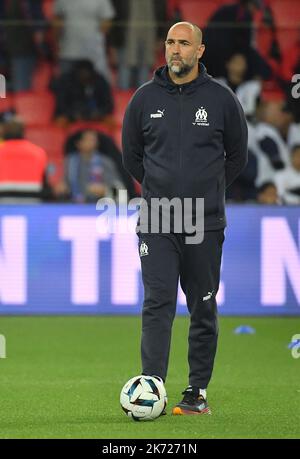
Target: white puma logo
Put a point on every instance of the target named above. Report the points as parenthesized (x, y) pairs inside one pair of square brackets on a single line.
[(208, 296), (159, 114)]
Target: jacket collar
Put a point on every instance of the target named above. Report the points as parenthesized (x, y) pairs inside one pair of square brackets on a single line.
[(161, 77)]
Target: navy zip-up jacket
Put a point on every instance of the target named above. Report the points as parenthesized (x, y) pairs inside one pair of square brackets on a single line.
[(185, 141)]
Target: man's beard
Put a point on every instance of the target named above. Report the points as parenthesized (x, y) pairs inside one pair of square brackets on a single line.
[(182, 70)]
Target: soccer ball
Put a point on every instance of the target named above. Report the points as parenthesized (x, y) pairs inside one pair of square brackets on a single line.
[(143, 398)]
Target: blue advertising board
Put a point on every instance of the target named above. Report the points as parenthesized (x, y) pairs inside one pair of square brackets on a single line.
[(64, 259)]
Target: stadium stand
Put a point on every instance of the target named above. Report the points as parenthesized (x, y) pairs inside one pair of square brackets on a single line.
[(51, 138), (121, 99), (35, 108), (287, 18), (6, 103)]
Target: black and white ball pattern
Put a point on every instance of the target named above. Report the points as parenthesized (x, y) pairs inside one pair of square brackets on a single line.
[(143, 398)]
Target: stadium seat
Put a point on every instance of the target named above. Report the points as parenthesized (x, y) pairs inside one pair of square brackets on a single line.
[(41, 77), (121, 99), (286, 13), (198, 12), (35, 108), (287, 20), (287, 37), (51, 138), (6, 103), (48, 9), (264, 38), (80, 125)]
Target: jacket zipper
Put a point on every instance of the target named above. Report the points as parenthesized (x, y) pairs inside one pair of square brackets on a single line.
[(180, 134)]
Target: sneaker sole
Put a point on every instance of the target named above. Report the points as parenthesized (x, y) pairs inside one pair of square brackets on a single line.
[(177, 411)]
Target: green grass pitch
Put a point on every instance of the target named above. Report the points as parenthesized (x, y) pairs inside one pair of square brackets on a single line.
[(63, 375)]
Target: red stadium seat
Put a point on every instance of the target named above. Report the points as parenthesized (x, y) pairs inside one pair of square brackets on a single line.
[(121, 99), (35, 108), (80, 125), (264, 38), (48, 8), (287, 19), (41, 77), (286, 13), (51, 138), (6, 103), (287, 38), (198, 12)]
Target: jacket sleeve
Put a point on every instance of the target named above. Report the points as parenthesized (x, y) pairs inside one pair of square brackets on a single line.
[(235, 139), (132, 140)]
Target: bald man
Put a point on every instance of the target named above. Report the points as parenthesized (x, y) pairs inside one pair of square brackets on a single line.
[(184, 136)]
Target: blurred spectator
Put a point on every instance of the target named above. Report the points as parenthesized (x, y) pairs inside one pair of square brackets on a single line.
[(246, 91), (267, 194), (265, 171), (288, 180), (274, 120), (23, 36), (81, 28), (89, 175), (230, 31), (243, 188), (108, 148), (82, 94), (135, 35), (23, 165), (293, 137)]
